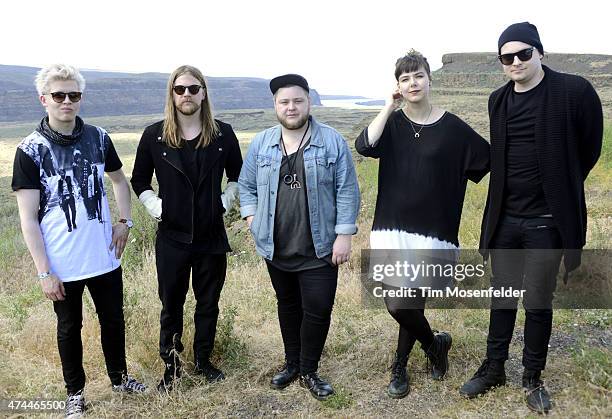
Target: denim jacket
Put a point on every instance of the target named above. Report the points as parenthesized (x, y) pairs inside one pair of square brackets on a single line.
[(331, 186)]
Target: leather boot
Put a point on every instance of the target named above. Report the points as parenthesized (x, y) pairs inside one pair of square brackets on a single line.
[(319, 388), (211, 373), (490, 374), (437, 354), (172, 374), (399, 386), (289, 372), (536, 395)]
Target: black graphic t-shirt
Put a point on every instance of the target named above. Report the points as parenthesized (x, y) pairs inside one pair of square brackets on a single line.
[(74, 215)]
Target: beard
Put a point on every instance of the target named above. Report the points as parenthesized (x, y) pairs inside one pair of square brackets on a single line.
[(188, 108), (295, 124)]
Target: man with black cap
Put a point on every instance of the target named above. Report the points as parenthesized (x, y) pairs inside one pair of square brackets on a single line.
[(300, 197), (546, 135)]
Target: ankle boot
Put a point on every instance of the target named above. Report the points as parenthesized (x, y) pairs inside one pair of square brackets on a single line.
[(437, 354), (536, 396), (399, 386), (289, 372), (319, 388), (172, 374), (490, 374)]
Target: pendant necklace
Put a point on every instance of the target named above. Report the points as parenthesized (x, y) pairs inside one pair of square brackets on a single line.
[(290, 179), (417, 134)]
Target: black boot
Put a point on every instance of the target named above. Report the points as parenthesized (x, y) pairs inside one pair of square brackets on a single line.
[(319, 388), (172, 374), (211, 373), (437, 354), (288, 374), (399, 386), (536, 395), (490, 374)]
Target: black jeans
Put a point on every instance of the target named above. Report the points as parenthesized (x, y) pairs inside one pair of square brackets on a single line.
[(535, 269), (106, 291), (208, 276), (305, 301), (409, 312)]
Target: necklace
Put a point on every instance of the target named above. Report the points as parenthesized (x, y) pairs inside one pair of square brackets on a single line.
[(417, 134), (290, 179)]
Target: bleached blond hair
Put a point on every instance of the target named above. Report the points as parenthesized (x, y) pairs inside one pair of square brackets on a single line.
[(55, 72)]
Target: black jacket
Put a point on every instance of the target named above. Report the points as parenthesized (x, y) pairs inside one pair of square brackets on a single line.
[(180, 199), (568, 137)]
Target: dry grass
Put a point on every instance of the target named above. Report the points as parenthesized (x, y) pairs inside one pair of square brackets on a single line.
[(249, 347)]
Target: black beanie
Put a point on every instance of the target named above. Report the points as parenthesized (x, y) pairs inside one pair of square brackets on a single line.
[(524, 32)]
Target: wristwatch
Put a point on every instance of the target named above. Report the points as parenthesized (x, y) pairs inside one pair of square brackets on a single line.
[(44, 275), (129, 223)]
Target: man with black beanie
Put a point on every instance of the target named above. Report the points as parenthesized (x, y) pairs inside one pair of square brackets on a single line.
[(546, 134)]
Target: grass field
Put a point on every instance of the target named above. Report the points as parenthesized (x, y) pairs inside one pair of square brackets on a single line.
[(361, 342)]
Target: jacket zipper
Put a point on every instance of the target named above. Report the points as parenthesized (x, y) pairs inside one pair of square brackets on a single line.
[(192, 195)]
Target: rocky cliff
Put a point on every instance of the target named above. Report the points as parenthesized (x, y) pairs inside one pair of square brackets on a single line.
[(483, 70)]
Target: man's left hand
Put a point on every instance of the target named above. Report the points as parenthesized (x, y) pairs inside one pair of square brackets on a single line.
[(120, 236), (342, 249)]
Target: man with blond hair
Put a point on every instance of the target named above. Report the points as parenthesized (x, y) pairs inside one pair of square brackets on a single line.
[(86, 254), (189, 151)]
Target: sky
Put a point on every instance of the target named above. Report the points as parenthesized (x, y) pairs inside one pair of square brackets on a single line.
[(341, 47)]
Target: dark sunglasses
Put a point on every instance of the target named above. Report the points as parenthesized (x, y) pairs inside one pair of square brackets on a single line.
[(59, 97), (523, 55), (193, 89)]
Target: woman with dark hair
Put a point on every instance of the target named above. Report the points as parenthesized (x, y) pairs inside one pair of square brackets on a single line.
[(426, 156)]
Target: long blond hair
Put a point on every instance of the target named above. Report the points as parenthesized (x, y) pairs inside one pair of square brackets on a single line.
[(171, 134)]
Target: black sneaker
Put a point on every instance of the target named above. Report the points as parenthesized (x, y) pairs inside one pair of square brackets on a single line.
[(437, 354), (490, 374), (536, 395), (172, 375), (129, 385), (399, 385), (289, 372), (319, 388), (211, 373), (75, 405)]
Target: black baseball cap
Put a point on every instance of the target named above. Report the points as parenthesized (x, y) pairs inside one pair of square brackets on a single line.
[(288, 80)]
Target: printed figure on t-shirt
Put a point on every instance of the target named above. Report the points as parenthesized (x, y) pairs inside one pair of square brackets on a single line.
[(66, 194)]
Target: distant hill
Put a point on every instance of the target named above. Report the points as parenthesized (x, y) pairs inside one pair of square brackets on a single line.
[(109, 93), (483, 70)]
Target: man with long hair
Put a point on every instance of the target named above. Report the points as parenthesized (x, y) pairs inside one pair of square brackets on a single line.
[(45, 195), (188, 151)]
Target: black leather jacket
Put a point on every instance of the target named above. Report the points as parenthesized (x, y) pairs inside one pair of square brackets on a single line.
[(181, 199)]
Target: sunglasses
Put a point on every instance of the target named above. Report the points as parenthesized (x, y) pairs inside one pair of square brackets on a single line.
[(523, 55), (59, 97), (193, 89)]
